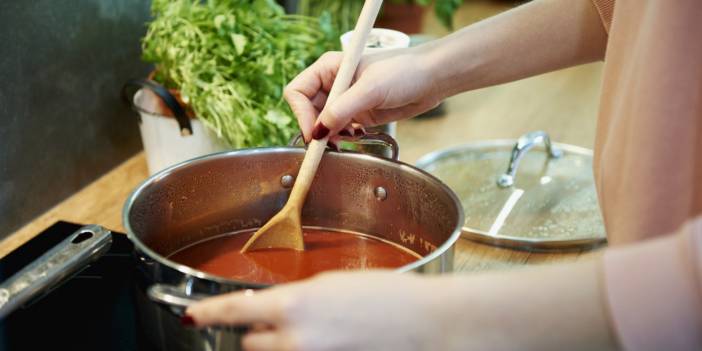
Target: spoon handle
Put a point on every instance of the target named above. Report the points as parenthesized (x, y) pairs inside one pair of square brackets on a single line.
[(353, 53), (308, 169), (349, 63)]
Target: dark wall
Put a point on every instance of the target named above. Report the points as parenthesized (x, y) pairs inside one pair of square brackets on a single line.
[(62, 63)]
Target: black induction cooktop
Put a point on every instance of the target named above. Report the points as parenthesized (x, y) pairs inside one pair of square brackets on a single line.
[(94, 310)]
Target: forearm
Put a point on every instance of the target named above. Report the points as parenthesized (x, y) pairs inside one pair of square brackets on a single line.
[(542, 308), (535, 38)]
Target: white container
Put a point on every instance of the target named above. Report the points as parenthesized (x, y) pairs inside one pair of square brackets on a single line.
[(164, 144), (381, 39)]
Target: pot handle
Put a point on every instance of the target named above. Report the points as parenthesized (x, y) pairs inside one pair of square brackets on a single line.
[(54, 267), (370, 138), (132, 86), (177, 301), (172, 297), (525, 143)]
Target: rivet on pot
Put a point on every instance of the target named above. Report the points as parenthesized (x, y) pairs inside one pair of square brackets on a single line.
[(287, 181), (380, 193)]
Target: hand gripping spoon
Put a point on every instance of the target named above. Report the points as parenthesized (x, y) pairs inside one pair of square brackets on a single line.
[(284, 230)]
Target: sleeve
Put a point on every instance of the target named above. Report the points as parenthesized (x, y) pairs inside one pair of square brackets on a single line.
[(654, 291), (605, 8)]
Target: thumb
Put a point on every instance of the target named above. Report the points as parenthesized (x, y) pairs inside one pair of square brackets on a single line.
[(358, 101)]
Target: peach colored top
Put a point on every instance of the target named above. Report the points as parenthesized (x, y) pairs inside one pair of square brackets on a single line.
[(648, 170)]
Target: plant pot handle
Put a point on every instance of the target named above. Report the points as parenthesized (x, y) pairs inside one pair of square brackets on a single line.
[(132, 86)]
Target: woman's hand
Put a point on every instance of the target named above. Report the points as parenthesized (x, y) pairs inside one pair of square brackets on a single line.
[(335, 311), (388, 86)]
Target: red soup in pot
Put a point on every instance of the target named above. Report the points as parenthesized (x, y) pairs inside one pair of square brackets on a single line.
[(325, 250)]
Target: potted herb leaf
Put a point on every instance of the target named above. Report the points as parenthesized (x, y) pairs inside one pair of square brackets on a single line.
[(230, 60), (402, 15)]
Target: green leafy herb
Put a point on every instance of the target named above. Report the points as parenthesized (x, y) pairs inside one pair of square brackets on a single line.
[(444, 10), (231, 59), (345, 12)]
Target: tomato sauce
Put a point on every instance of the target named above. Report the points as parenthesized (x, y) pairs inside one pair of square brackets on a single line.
[(324, 250)]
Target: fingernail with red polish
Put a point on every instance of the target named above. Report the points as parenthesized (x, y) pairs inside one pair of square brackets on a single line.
[(187, 321), (320, 131), (345, 133)]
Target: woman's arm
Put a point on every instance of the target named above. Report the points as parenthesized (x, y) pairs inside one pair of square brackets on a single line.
[(534, 38), (555, 307)]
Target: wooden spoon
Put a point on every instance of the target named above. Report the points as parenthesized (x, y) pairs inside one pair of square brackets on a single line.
[(284, 230)]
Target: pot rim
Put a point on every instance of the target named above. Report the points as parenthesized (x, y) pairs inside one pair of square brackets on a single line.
[(139, 245)]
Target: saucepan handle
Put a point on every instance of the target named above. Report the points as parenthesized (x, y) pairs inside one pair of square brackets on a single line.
[(525, 143), (370, 138), (178, 301), (54, 267), (172, 297)]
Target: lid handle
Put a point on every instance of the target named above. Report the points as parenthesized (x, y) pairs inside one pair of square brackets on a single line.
[(525, 143)]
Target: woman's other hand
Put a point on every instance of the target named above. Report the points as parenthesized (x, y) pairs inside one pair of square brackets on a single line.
[(540, 308)]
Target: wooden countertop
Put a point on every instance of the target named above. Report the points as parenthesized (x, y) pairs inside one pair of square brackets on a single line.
[(562, 103)]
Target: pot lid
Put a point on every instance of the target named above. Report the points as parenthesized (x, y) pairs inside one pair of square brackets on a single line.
[(539, 199)]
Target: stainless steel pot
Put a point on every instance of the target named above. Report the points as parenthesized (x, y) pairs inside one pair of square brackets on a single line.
[(233, 191)]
